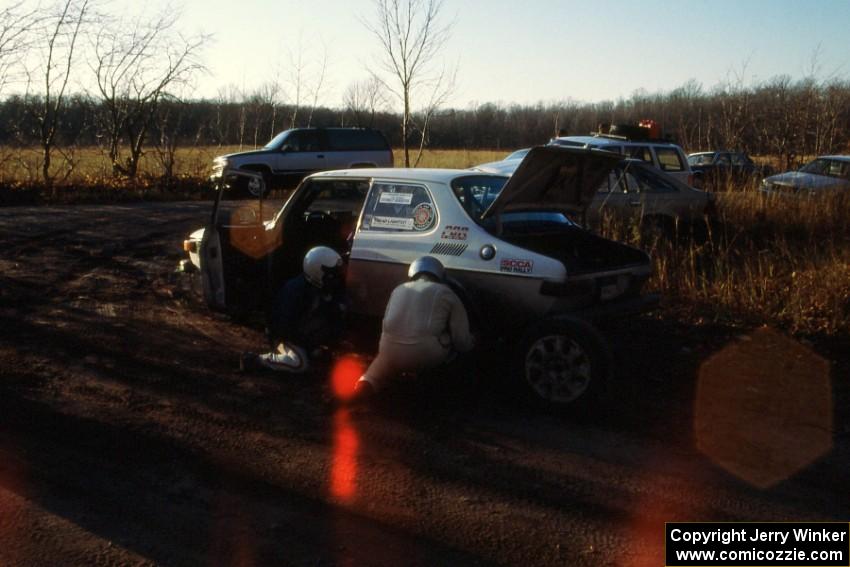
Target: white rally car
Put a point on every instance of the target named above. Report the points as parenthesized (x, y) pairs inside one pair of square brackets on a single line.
[(530, 277)]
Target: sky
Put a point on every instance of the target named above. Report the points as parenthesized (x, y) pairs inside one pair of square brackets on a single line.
[(525, 51)]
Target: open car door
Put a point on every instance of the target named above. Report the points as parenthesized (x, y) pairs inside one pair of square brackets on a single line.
[(236, 247)]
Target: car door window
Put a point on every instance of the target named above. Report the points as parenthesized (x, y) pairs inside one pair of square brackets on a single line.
[(614, 183), (303, 141), (838, 169), (817, 167), (740, 160), (722, 159), (477, 192), (669, 159), (396, 207), (644, 181), (640, 152), (354, 140), (338, 198)]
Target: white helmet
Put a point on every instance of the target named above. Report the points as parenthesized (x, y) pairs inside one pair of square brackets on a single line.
[(319, 262), (427, 265)]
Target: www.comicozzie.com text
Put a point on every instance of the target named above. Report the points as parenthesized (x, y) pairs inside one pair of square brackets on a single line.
[(726, 536)]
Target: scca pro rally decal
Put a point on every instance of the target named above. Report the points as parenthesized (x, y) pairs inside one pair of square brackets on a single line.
[(455, 232), (423, 216), (516, 266)]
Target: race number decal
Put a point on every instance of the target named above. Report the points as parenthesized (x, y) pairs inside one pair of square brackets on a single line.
[(454, 232), (423, 216)]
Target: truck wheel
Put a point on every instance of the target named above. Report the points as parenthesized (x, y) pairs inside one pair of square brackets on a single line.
[(565, 363), (253, 187)]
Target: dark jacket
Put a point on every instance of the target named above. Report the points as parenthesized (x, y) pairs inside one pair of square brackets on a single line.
[(306, 315)]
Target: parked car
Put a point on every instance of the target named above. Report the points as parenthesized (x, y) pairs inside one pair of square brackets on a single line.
[(716, 171), (825, 174), (663, 155), (530, 278), (292, 154), (635, 188)]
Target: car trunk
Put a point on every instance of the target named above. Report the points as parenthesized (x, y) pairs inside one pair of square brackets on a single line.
[(582, 252)]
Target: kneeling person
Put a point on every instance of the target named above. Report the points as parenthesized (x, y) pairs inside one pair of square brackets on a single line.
[(307, 314), (424, 324)]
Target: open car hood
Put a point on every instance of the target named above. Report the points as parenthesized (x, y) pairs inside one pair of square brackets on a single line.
[(554, 178)]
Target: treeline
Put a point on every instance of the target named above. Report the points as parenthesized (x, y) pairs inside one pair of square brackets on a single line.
[(135, 72), (780, 117)]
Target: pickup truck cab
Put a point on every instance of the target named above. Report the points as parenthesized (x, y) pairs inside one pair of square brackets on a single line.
[(529, 277)]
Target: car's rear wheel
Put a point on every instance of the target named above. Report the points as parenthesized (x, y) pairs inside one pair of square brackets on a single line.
[(564, 363)]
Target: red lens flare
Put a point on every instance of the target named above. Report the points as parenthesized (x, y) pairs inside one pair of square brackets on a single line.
[(344, 376), (346, 446)]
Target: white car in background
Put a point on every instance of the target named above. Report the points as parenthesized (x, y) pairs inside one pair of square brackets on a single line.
[(531, 279), (826, 174)]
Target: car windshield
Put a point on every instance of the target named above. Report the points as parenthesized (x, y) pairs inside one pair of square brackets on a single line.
[(700, 159), (277, 141), (563, 142), (518, 154)]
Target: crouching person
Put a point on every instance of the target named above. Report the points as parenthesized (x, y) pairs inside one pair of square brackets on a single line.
[(307, 315), (424, 325)]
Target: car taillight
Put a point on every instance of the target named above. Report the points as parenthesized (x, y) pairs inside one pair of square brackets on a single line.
[(190, 246)]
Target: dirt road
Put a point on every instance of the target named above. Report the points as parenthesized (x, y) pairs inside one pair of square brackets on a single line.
[(128, 436)]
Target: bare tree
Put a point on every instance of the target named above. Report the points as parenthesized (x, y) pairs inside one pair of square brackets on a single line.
[(54, 62), (320, 81), (135, 64), (410, 37), (296, 79), (168, 121), (16, 23), (440, 90), (304, 81), (273, 97), (363, 99)]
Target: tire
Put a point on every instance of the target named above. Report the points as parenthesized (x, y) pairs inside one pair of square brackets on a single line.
[(252, 188), (564, 363)]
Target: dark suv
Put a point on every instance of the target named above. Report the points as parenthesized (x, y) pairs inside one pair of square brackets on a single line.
[(295, 153), (725, 169)]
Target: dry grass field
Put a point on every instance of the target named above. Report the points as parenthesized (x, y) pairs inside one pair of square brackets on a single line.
[(91, 165), (779, 261), (766, 260)]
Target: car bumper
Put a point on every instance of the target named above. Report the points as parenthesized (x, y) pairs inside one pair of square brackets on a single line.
[(619, 309)]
